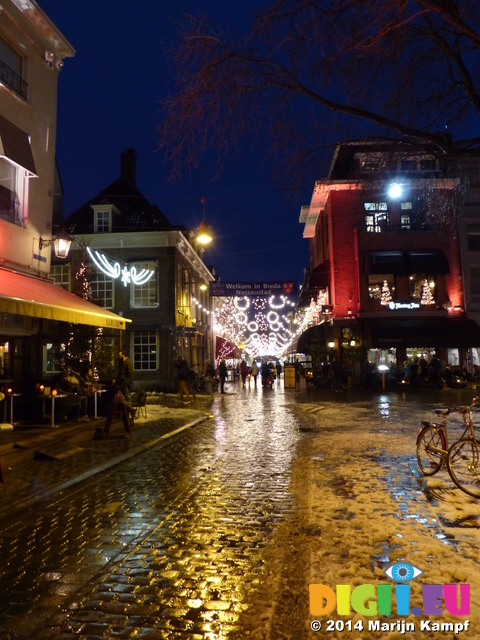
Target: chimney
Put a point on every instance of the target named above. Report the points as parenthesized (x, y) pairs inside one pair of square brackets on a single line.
[(128, 166)]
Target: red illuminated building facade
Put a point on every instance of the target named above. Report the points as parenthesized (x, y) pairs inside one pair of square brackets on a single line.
[(385, 278)]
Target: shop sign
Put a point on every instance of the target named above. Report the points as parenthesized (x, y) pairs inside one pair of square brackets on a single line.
[(403, 306), (240, 289)]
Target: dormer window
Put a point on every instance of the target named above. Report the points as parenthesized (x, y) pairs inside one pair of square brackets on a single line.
[(102, 217), (102, 222)]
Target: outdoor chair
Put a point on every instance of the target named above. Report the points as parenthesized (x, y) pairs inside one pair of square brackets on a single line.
[(138, 399)]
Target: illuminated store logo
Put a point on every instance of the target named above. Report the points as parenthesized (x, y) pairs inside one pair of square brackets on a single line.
[(395, 306), (115, 270)]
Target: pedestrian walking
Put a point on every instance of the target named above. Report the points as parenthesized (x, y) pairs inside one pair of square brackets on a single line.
[(209, 376), (222, 372), (336, 370), (243, 372), (279, 369), (435, 367), (183, 371), (265, 370), (119, 402), (125, 374), (254, 372)]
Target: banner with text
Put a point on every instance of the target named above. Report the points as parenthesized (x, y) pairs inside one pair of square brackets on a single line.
[(253, 289)]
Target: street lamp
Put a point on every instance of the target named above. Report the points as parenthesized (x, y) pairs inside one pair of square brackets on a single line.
[(395, 190), (383, 368), (204, 235), (61, 244)]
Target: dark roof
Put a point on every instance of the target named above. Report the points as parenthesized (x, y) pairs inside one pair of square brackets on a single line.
[(345, 167), (135, 212)]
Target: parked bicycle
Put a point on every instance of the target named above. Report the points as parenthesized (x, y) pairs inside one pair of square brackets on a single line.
[(462, 458)]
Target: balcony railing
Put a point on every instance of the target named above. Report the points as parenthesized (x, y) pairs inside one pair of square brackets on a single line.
[(13, 80)]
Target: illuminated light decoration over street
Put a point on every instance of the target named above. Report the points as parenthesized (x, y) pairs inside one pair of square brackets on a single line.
[(260, 325), (114, 270)]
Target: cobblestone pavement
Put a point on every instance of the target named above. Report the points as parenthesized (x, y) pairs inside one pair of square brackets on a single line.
[(166, 544), (217, 531)]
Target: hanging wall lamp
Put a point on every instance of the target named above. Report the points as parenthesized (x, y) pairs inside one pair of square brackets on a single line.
[(61, 244)]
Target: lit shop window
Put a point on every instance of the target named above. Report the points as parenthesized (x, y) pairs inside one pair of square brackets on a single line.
[(381, 286)]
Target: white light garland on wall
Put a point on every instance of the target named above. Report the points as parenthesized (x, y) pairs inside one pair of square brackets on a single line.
[(115, 270)]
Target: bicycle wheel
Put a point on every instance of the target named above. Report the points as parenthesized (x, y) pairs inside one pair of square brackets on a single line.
[(430, 444), (463, 464)]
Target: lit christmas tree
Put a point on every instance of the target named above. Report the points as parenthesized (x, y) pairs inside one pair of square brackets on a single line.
[(386, 295), (427, 297)]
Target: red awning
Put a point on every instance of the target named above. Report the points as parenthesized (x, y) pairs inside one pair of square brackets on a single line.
[(37, 298), (226, 349)]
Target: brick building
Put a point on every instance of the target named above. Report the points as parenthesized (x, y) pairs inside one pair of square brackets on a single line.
[(118, 235), (385, 277)]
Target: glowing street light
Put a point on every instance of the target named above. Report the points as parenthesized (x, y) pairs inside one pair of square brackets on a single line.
[(204, 235), (395, 190)]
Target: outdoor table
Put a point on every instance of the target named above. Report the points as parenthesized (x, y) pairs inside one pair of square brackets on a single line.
[(52, 398), (96, 392), (12, 395)]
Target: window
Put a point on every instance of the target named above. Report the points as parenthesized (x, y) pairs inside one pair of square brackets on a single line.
[(13, 193), (11, 67), (408, 165), (473, 236), (370, 165), (145, 350), (5, 371), (102, 222), (144, 295), (428, 165), (375, 206), (381, 287), (102, 290), (405, 215), (61, 275), (53, 357), (421, 287), (377, 217)]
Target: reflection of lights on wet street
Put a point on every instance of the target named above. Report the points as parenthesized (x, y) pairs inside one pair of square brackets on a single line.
[(384, 406)]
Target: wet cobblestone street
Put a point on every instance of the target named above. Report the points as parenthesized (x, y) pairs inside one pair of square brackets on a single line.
[(217, 532), (169, 541)]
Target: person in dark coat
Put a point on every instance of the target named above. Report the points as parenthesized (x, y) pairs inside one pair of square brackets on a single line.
[(125, 374), (222, 372), (336, 369), (265, 371), (119, 402), (183, 372), (243, 372)]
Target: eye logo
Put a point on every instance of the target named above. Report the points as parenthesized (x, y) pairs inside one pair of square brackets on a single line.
[(402, 572)]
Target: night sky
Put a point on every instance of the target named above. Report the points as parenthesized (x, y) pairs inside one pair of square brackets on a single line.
[(108, 101)]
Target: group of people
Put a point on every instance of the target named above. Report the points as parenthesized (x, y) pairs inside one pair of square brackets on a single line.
[(185, 375), (421, 373), (80, 392)]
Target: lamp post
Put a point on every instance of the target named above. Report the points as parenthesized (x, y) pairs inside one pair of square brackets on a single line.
[(383, 368), (204, 235)]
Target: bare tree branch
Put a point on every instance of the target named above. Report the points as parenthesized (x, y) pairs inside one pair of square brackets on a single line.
[(308, 68)]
